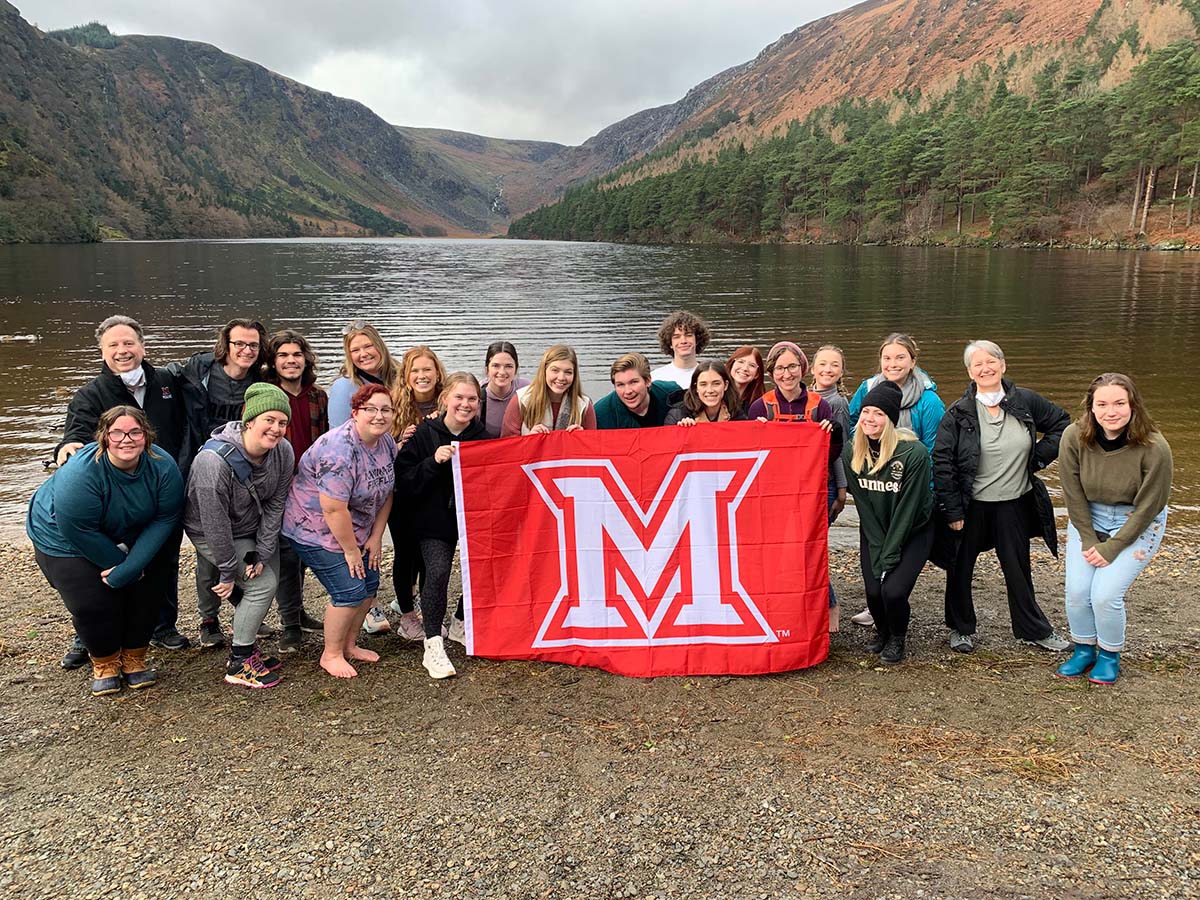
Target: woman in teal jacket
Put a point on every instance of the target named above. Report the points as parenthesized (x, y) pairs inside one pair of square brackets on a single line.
[(99, 526), (921, 409)]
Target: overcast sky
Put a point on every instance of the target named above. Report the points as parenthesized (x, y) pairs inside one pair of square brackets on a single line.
[(555, 70)]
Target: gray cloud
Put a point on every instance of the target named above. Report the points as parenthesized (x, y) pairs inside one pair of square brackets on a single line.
[(520, 69)]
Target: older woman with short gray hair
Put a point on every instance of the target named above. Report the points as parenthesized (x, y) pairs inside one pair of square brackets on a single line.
[(985, 460)]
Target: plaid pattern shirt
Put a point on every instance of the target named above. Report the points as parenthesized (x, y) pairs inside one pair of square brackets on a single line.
[(318, 411)]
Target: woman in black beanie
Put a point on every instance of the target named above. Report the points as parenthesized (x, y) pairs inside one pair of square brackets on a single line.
[(887, 473)]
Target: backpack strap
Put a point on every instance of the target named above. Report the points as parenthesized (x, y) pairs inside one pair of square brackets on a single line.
[(236, 460)]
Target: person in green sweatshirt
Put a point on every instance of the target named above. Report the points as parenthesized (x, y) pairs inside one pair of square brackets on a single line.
[(1115, 469), (100, 528), (887, 474)]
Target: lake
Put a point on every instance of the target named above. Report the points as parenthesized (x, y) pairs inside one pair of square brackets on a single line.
[(1062, 317)]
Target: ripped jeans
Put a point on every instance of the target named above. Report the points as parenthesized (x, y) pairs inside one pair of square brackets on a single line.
[(1096, 595)]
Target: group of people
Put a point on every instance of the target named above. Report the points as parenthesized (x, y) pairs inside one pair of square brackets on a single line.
[(269, 475)]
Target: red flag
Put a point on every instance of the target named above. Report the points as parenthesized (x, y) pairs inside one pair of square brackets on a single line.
[(658, 551)]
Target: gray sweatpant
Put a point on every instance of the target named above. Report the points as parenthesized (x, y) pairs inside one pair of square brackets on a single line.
[(257, 593)]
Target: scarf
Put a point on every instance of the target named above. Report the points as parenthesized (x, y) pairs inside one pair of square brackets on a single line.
[(910, 394), (555, 423)]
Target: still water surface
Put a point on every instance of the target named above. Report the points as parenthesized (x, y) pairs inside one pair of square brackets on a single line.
[(1062, 317)]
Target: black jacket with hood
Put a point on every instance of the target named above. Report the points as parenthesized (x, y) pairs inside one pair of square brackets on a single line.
[(956, 454), (202, 421), (426, 485)]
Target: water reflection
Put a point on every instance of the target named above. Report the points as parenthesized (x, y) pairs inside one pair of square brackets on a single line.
[(1061, 317)]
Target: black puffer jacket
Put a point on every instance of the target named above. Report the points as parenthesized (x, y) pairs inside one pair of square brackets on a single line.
[(162, 404), (425, 486), (956, 454)]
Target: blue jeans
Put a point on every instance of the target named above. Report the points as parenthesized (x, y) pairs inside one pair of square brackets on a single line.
[(1096, 595), (333, 573)]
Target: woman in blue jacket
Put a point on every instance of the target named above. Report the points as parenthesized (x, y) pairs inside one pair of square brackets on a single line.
[(99, 527), (921, 409)]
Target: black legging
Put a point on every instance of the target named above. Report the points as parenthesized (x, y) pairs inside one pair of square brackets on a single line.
[(439, 559), (109, 619), (1002, 524), (407, 567), (888, 601)]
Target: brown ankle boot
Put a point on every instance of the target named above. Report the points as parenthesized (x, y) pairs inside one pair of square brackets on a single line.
[(133, 664), (106, 674)]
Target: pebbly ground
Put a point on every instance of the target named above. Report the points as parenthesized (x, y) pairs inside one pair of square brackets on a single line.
[(950, 776)]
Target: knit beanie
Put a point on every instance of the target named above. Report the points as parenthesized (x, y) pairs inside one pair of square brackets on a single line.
[(794, 348), (885, 396), (262, 397)]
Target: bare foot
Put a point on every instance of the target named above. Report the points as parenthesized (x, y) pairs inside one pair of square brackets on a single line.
[(337, 666), (362, 654), (835, 618)]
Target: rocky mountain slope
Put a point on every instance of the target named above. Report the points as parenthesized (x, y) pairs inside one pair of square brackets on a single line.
[(153, 137)]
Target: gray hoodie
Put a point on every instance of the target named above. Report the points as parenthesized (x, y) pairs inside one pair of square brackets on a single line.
[(220, 508)]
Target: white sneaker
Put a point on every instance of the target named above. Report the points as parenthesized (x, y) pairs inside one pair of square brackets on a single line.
[(394, 606), (376, 621), (411, 628), (458, 631), (436, 663), (863, 618)]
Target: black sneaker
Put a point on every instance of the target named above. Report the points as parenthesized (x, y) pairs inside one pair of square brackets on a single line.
[(893, 651), (211, 634), (170, 640), (76, 656), (309, 624), (291, 640), (876, 644), (265, 630)]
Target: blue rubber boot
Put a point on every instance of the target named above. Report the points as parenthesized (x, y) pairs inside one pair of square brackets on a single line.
[(1083, 656), (1107, 667)]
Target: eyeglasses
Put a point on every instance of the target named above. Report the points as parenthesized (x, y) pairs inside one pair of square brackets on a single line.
[(356, 325), (373, 411), (117, 436), (244, 345), (789, 370)]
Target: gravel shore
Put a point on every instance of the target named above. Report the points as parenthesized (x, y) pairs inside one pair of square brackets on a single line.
[(952, 775)]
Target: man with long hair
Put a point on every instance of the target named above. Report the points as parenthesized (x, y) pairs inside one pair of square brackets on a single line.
[(291, 364)]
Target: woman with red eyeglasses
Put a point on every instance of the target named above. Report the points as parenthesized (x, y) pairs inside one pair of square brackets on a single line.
[(99, 527)]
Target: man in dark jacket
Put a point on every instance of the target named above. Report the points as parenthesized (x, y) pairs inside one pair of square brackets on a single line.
[(127, 379), (636, 401)]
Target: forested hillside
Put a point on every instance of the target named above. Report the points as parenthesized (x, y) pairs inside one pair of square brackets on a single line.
[(1095, 140)]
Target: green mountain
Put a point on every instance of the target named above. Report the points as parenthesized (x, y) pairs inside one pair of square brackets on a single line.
[(928, 121), (153, 137)]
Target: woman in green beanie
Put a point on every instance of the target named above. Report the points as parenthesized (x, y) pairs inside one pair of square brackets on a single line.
[(235, 497)]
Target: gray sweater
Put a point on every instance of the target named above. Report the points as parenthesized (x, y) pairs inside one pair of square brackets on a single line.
[(219, 508)]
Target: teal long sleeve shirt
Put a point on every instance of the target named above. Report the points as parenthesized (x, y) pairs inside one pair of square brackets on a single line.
[(89, 506)]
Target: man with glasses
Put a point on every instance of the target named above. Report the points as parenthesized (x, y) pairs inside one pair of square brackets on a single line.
[(214, 388), (127, 379), (291, 364)]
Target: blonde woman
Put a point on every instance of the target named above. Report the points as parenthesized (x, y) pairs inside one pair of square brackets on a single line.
[(367, 361), (415, 396), (888, 473), (415, 399), (554, 401), (425, 484)]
